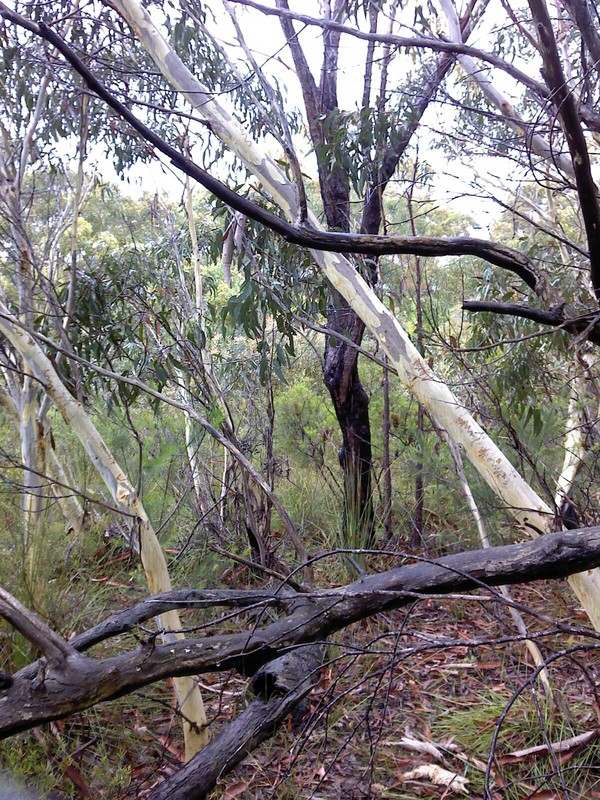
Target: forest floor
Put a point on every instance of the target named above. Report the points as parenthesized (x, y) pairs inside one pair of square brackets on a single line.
[(406, 699)]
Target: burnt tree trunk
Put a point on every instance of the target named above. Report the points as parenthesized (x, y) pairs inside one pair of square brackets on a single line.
[(351, 404), (349, 398)]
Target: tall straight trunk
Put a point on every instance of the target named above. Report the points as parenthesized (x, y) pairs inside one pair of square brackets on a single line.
[(385, 458), (417, 537), (351, 405), (419, 512), (575, 446), (32, 488), (269, 456), (24, 276), (66, 497), (340, 372)]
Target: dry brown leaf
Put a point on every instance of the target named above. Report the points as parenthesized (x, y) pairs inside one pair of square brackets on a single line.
[(439, 777), (236, 790)]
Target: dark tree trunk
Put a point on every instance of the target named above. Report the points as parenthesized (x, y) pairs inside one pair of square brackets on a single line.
[(416, 538), (351, 404), (350, 400), (418, 524)]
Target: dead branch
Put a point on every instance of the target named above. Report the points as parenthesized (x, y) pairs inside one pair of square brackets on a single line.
[(584, 325), (279, 686), (54, 647), (79, 681)]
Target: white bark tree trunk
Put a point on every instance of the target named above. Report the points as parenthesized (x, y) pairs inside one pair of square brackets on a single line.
[(576, 432), (32, 479), (124, 494), (532, 513), (67, 498), (516, 615), (482, 77)]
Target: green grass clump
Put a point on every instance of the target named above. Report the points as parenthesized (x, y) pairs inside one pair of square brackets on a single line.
[(529, 722)]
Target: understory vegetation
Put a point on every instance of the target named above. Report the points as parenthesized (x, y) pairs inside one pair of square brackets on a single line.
[(299, 449)]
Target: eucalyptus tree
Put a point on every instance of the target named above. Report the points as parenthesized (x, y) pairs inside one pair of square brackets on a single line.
[(531, 510), (263, 182), (40, 209), (291, 196), (40, 205)]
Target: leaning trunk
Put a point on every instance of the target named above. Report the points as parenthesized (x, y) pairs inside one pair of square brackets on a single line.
[(126, 497), (528, 508)]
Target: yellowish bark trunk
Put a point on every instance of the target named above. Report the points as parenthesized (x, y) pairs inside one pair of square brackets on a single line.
[(124, 494)]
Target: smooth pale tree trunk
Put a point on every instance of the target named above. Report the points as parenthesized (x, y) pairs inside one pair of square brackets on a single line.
[(482, 78), (126, 497), (531, 512), (27, 405), (71, 509), (32, 482), (516, 615), (67, 498), (22, 399), (196, 308), (191, 446), (575, 437), (574, 449)]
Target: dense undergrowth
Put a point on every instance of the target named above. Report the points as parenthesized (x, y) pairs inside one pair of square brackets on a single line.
[(437, 673)]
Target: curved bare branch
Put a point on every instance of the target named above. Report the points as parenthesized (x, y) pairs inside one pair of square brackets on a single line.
[(497, 254), (586, 325), (80, 682)]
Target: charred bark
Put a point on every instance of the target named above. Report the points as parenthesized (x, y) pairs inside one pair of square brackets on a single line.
[(349, 398), (351, 404), (280, 687)]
